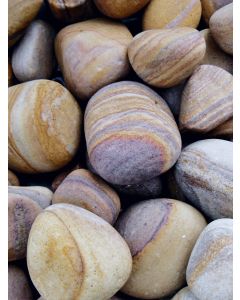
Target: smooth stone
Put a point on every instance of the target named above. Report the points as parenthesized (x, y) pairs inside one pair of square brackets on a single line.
[(171, 14), (165, 57), (33, 58), (92, 54), (204, 172), (20, 15), (210, 267), (74, 254), (173, 97), (131, 134), (18, 284), (39, 194), (22, 212), (121, 8), (44, 126), (214, 55), (84, 189), (184, 294), (12, 179), (161, 234), (221, 27), (210, 6), (207, 99), (70, 11)]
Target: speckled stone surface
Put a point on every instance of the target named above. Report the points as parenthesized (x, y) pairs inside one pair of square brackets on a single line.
[(214, 55), (172, 13), (83, 188), (92, 54), (130, 133), (72, 252), (204, 171), (207, 99), (165, 57), (221, 27), (22, 211), (160, 234), (44, 126), (39, 194), (119, 9), (33, 57), (210, 267)]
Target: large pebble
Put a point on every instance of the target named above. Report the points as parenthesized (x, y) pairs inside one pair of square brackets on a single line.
[(39, 194), (161, 234), (83, 188), (210, 6), (172, 13), (210, 267), (22, 211), (130, 133), (20, 15), (207, 99), (165, 57), (221, 26), (74, 254), (214, 55), (44, 126), (204, 173), (18, 284), (92, 54), (33, 56), (184, 294), (121, 8), (70, 11)]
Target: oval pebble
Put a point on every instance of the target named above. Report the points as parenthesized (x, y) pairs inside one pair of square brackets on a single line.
[(39, 194), (172, 55), (75, 254), (221, 26), (204, 173), (83, 188), (161, 234), (44, 126), (130, 133), (210, 267), (207, 99), (33, 57), (172, 13)]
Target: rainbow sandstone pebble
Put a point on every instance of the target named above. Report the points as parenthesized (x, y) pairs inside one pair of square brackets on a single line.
[(92, 54), (207, 99), (172, 55), (172, 13), (131, 134), (43, 126), (83, 188)]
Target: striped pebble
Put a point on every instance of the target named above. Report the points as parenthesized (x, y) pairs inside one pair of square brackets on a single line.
[(165, 57), (22, 212), (39, 194), (221, 26), (204, 173), (83, 188), (121, 8), (184, 294), (172, 13), (43, 126), (92, 54), (12, 179), (210, 267), (214, 55), (130, 133), (210, 6), (207, 99), (160, 234)]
